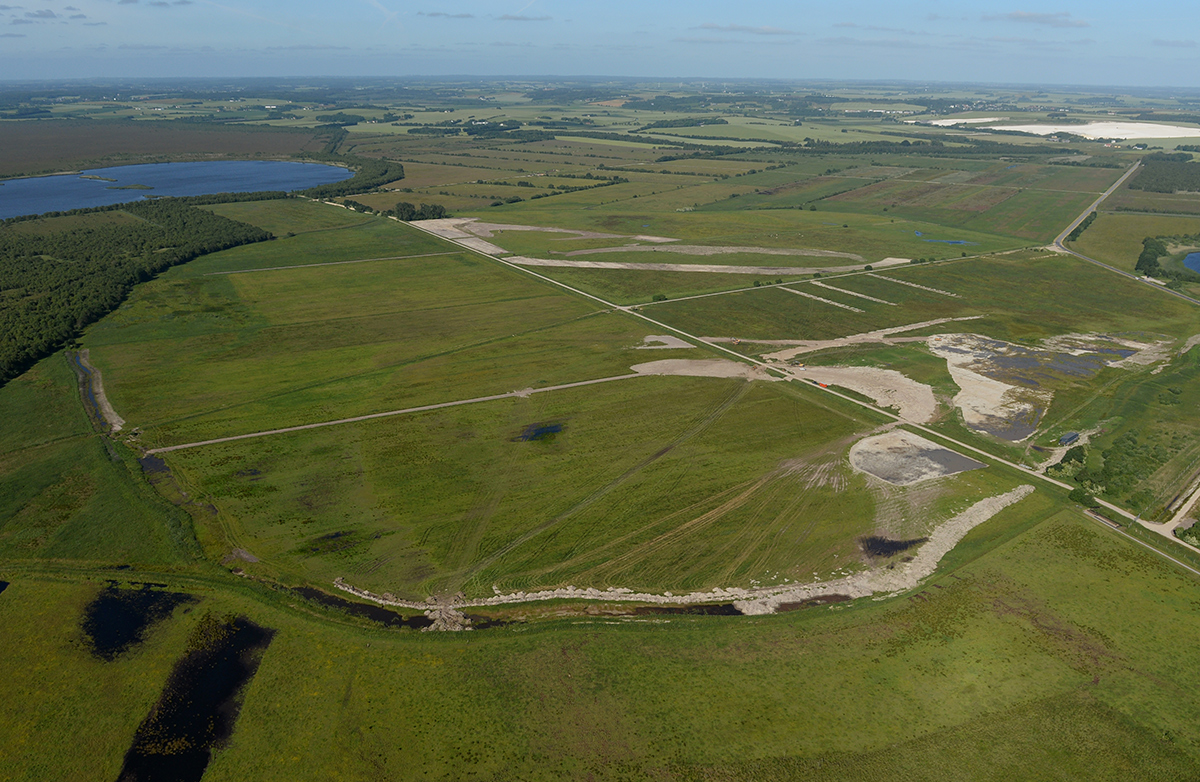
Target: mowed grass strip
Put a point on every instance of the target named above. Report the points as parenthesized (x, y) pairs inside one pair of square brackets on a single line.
[(1027, 296)]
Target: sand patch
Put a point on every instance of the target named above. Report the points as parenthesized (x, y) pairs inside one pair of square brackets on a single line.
[(987, 404), (902, 458), (703, 268), (461, 227), (708, 250), (714, 367), (887, 387), (479, 245), (663, 342), (881, 336), (1122, 130)]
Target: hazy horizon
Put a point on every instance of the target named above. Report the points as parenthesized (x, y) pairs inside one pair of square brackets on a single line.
[(1097, 44)]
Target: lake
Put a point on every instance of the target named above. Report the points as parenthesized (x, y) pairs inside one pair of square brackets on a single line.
[(104, 186), (1192, 262)]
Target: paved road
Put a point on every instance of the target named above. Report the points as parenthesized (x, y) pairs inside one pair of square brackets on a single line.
[(1060, 242)]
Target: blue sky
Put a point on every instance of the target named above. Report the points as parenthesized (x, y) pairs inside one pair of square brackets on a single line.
[(1070, 42)]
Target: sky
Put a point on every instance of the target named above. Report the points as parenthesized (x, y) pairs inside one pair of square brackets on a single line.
[(1154, 43)]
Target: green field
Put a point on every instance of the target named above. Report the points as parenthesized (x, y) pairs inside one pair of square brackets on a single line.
[(1045, 644)]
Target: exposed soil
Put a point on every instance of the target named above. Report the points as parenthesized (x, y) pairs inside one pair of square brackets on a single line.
[(92, 385), (882, 336), (713, 367), (701, 268), (887, 387), (902, 458), (663, 342), (709, 250)]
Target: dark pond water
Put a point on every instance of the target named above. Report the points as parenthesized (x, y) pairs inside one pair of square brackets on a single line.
[(199, 705), (3, 586), (73, 191), (726, 609), (118, 618), (538, 432), (886, 547), (1192, 262), (373, 612)]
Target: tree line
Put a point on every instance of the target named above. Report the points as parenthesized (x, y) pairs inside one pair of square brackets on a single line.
[(54, 283)]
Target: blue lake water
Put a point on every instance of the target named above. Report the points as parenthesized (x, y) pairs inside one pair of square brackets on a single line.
[(1192, 262), (72, 191)]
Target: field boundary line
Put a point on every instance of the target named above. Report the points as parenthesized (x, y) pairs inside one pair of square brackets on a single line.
[(371, 416), (330, 263)]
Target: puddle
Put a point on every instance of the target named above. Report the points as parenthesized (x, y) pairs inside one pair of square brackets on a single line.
[(199, 704), (539, 432), (117, 619), (876, 546), (152, 465), (823, 600), (3, 586), (724, 609), (373, 612)]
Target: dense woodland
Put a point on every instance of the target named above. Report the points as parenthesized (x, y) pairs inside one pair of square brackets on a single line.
[(54, 281), (1167, 173)]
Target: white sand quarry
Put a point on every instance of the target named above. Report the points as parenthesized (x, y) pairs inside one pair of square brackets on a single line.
[(1122, 130)]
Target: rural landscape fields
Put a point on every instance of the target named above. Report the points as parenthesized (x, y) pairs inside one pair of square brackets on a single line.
[(831, 390)]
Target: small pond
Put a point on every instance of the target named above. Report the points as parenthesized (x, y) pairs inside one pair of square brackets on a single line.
[(1192, 262), (116, 185)]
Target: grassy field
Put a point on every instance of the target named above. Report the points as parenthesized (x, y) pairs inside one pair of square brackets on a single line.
[(1010, 662), (1045, 647), (1116, 239)]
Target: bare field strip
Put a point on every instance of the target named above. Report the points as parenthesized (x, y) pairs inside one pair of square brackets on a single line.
[(915, 285), (685, 267), (853, 293), (823, 301)]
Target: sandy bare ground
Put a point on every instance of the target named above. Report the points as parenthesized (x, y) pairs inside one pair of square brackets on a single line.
[(881, 336), (708, 250), (1192, 342), (986, 403), (465, 227), (1121, 130), (902, 458), (889, 388), (703, 268), (103, 406), (663, 342), (854, 294), (823, 301), (763, 600), (711, 367), (915, 285), (479, 245)]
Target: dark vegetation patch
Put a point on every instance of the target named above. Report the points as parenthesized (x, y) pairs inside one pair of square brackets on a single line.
[(57, 282), (373, 612), (876, 546), (1167, 173), (723, 609), (823, 600), (200, 703), (334, 542), (153, 465), (118, 618), (540, 432)]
